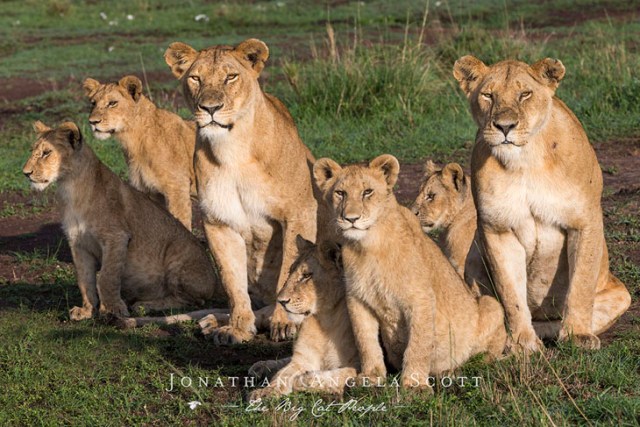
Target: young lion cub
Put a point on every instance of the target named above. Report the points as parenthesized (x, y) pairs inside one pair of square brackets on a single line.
[(157, 144), (324, 355), (399, 282), (144, 255)]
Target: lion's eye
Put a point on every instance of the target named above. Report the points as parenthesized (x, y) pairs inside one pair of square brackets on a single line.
[(430, 197), (112, 104), (487, 95), (339, 193), (230, 78), (525, 95), (93, 103), (194, 79), (368, 192), (45, 153), (306, 276)]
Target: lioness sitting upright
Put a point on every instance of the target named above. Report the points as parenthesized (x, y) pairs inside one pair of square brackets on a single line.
[(324, 357), (158, 145), (144, 255), (253, 176), (537, 186), (399, 282)]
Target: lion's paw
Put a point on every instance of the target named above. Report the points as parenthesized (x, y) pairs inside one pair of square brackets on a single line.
[(81, 313), (526, 342), (226, 335), (282, 329)]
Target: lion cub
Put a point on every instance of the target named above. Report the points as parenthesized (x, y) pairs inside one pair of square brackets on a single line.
[(399, 283), (325, 357), (157, 144), (144, 255)]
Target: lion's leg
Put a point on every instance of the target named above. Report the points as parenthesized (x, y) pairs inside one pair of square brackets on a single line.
[(114, 258), (281, 327), (189, 273), (179, 204), (417, 357), (85, 265), (508, 262), (220, 316), (332, 381), (491, 328), (266, 368), (610, 303), (365, 330), (585, 251), (263, 317), (229, 251), (282, 382)]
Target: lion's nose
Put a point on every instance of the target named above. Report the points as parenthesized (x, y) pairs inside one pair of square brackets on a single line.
[(505, 126), (352, 218), (211, 109), (27, 173), (94, 121), (284, 302)]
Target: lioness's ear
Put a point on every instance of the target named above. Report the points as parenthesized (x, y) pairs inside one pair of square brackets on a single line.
[(453, 175), (551, 71), (430, 168), (133, 85), (90, 86), (255, 52), (389, 166), (303, 244), (468, 70), (40, 127), (71, 133), (331, 252), (324, 172), (179, 57)]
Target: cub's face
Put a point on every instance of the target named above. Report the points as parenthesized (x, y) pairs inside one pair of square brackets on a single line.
[(442, 193), (358, 195), (510, 101), (219, 83), (113, 105), (51, 154)]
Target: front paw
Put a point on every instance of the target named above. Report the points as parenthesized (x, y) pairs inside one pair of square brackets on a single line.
[(81, 313), (587, 341), (262, 393), (526, 342), (208, 324), (282, 328), (119, 309), (416, 380), (226, 335), (375, 377)]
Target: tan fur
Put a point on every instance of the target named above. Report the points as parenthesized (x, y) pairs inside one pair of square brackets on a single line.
[(398, 281), (158, 145), (537, 186), (146, 258), (253, 176), (324, 355)]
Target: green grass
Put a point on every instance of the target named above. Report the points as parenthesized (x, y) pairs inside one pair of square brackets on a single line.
[(386, 88)]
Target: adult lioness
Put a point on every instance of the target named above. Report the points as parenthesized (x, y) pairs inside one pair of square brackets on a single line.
[(144, 255), (537, 187), (398, 281), (157, 144), (324, 357), (253, 178)]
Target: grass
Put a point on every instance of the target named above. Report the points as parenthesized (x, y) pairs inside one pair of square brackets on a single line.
[(360, 79)]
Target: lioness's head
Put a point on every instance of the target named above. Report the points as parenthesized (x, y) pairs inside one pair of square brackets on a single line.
[(219, 83), (510, 101), (357, 194), (442, 193), (112, 104), (314, 282), (51, 154)]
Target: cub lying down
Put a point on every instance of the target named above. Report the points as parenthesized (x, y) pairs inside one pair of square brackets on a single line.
[(324, 355), (399, 283), (145, 257)]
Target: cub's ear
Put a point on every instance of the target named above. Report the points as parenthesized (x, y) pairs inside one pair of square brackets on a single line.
[(40, 127), (90, 86), (179, 57), (255, 52), (331, 252), (453, 176), (468, 71), (324, 172), (133, 86), (430, 168), (551, 71), (389, 166), (303, 244), (71, 132)]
